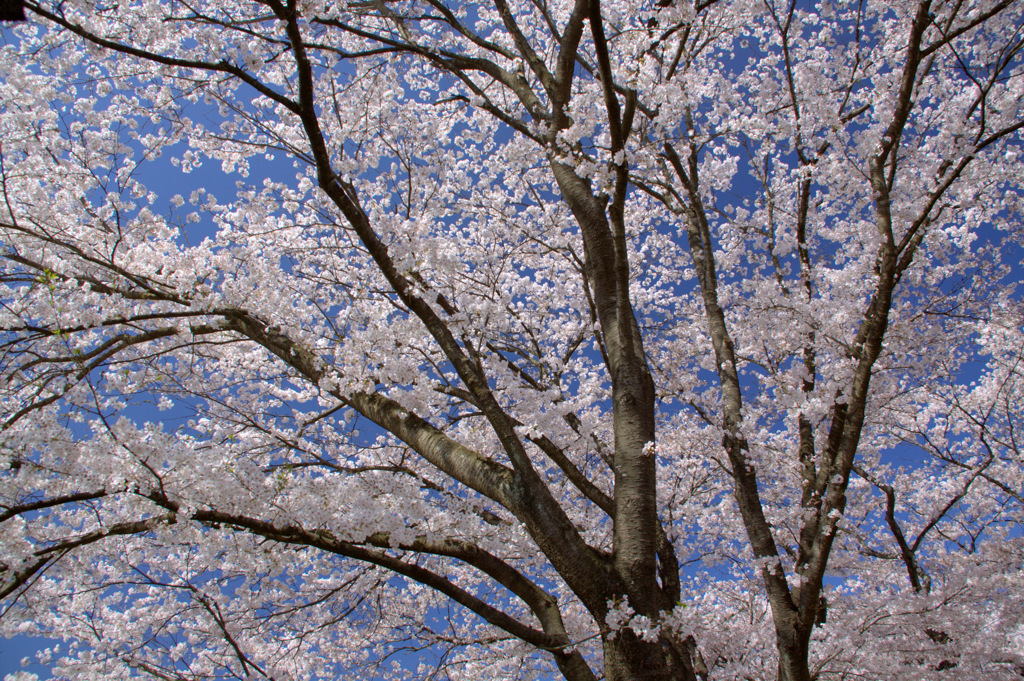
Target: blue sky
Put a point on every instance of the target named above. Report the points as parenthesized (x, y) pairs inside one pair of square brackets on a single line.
[(13, 650)]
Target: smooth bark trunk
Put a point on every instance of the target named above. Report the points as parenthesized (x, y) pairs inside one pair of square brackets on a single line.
[(628, 657)]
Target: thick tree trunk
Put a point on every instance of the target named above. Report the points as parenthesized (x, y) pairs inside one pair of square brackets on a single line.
[(794, 652), (627, 657)]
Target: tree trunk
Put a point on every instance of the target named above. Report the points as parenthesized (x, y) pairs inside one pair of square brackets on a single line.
[(794, 651), (628, 657)]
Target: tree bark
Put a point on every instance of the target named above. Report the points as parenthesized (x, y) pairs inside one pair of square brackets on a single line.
[(628, 657)]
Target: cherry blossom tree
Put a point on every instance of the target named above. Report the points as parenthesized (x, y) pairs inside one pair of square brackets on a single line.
[(513, 340)]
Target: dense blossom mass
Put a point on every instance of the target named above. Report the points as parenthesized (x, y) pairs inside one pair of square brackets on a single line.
[(598, 340)]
